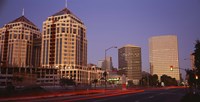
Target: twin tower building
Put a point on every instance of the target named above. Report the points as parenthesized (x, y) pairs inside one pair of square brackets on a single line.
[(63, 44)]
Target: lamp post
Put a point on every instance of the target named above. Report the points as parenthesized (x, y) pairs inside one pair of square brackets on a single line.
[(105, 73), (147, 80)]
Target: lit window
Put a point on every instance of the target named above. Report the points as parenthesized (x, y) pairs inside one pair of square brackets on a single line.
[(10, 36), (26, 37), (15, 36)]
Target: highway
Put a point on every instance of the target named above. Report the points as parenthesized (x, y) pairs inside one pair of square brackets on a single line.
[(163, 95), (130, 95)]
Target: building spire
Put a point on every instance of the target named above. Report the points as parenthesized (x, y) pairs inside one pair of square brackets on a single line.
[(66, 3), (23, 12)]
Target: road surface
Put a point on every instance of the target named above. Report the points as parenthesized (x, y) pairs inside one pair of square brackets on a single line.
[(131, 95), (163, 95)]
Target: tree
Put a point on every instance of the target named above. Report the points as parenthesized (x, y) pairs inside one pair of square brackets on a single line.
[(154, 80), (197, 55), (149, 80), (168, 81), (95, 81), (193, 75), (66, 81)]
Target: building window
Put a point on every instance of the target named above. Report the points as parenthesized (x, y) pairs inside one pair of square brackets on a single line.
[(2, 37), (26, 37), (57, 30), (60, 50), (19, 36), (10, 36), (44, 32), (57, 51), (63, 30), (70, 30), (30, 37), (67, 30), (74, 31), (47, 52), (44, 44), (48, 31), (15, 36)]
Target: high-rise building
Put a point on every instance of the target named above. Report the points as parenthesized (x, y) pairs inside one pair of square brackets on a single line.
[(64, 45), (106, 63), (17, 42), (37, 52), (163, 55), (130, 62), (100, 63)]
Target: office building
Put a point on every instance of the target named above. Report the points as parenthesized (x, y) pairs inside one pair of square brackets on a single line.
[(100, 63), (129, 57), (27, 76), (64, 45), (17, 42), (108, 63), (163, 55)]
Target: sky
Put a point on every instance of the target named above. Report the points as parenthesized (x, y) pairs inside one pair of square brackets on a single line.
[(119, 22)]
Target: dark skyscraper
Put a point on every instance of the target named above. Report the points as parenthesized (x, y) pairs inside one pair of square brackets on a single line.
[(130, 62)]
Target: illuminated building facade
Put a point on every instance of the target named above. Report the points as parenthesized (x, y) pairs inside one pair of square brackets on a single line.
[(163, 54), (17, 42), (64, 45)]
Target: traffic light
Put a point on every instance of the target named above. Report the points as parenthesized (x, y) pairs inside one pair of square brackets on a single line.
[(171, 68)]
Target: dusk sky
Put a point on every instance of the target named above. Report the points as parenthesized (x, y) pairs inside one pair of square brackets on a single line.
[(119, 22)]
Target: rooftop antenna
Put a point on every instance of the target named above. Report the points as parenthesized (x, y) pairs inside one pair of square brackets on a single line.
[(66, 3), (23, 12)]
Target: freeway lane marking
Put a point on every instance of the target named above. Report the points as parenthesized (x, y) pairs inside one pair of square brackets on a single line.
[(150, 96), (106, 95), (123, 96), (161, 93)]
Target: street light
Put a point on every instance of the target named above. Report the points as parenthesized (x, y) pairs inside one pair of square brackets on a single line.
[(196, 76), (105, 73)]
